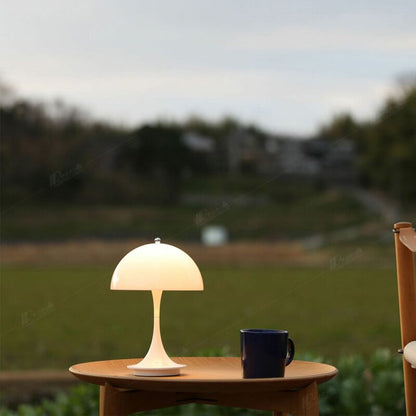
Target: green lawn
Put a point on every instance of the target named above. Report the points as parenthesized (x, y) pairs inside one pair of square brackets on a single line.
[(56, 316)]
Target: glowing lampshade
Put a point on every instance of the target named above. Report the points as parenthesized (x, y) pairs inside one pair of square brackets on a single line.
[(156, 267)]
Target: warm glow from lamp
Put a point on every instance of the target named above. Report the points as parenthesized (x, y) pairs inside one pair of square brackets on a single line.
[(156, 267)]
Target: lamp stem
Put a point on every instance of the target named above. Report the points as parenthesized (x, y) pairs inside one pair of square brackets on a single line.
[(156, 356), (157, 338)]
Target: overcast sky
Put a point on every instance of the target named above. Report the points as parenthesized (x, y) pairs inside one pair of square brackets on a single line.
[(286, 65)]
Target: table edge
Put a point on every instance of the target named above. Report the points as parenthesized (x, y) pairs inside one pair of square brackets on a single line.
[(167, 383)]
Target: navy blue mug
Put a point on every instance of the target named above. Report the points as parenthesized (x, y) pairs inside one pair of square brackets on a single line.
[(265, 352)]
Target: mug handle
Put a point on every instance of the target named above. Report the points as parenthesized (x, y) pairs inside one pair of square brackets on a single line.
[(290, 351)]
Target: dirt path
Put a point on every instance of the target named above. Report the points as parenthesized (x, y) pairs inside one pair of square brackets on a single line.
[(28, 386), (93, 252)]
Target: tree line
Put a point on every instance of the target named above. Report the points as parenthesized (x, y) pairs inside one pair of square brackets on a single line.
[(385, 145), (56, 152)]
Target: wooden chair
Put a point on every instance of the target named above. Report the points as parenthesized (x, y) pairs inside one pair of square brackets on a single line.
[(405, 242)]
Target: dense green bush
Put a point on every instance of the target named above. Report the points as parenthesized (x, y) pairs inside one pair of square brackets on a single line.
[(373, 388), (82, 400), (362, 388)]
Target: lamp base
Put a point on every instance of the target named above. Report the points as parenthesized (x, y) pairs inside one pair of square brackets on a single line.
[(154, 371)]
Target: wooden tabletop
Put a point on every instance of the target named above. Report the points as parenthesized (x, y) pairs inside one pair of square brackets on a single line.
[(202, 374)]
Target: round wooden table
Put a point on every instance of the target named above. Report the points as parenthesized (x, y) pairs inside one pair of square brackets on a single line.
[(209, 380)]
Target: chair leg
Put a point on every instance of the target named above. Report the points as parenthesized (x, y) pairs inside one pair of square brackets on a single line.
[(407, 306)]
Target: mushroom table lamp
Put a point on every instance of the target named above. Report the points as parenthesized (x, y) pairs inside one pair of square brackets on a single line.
[(156, 267)]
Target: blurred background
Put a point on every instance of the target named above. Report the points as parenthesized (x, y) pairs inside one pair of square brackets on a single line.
[(275, 142)]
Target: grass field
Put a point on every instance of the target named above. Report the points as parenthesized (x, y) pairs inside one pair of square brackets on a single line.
[(335, 297), (52, 317)]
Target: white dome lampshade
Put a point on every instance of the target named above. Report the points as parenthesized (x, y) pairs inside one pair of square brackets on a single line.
[(156, 267)]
